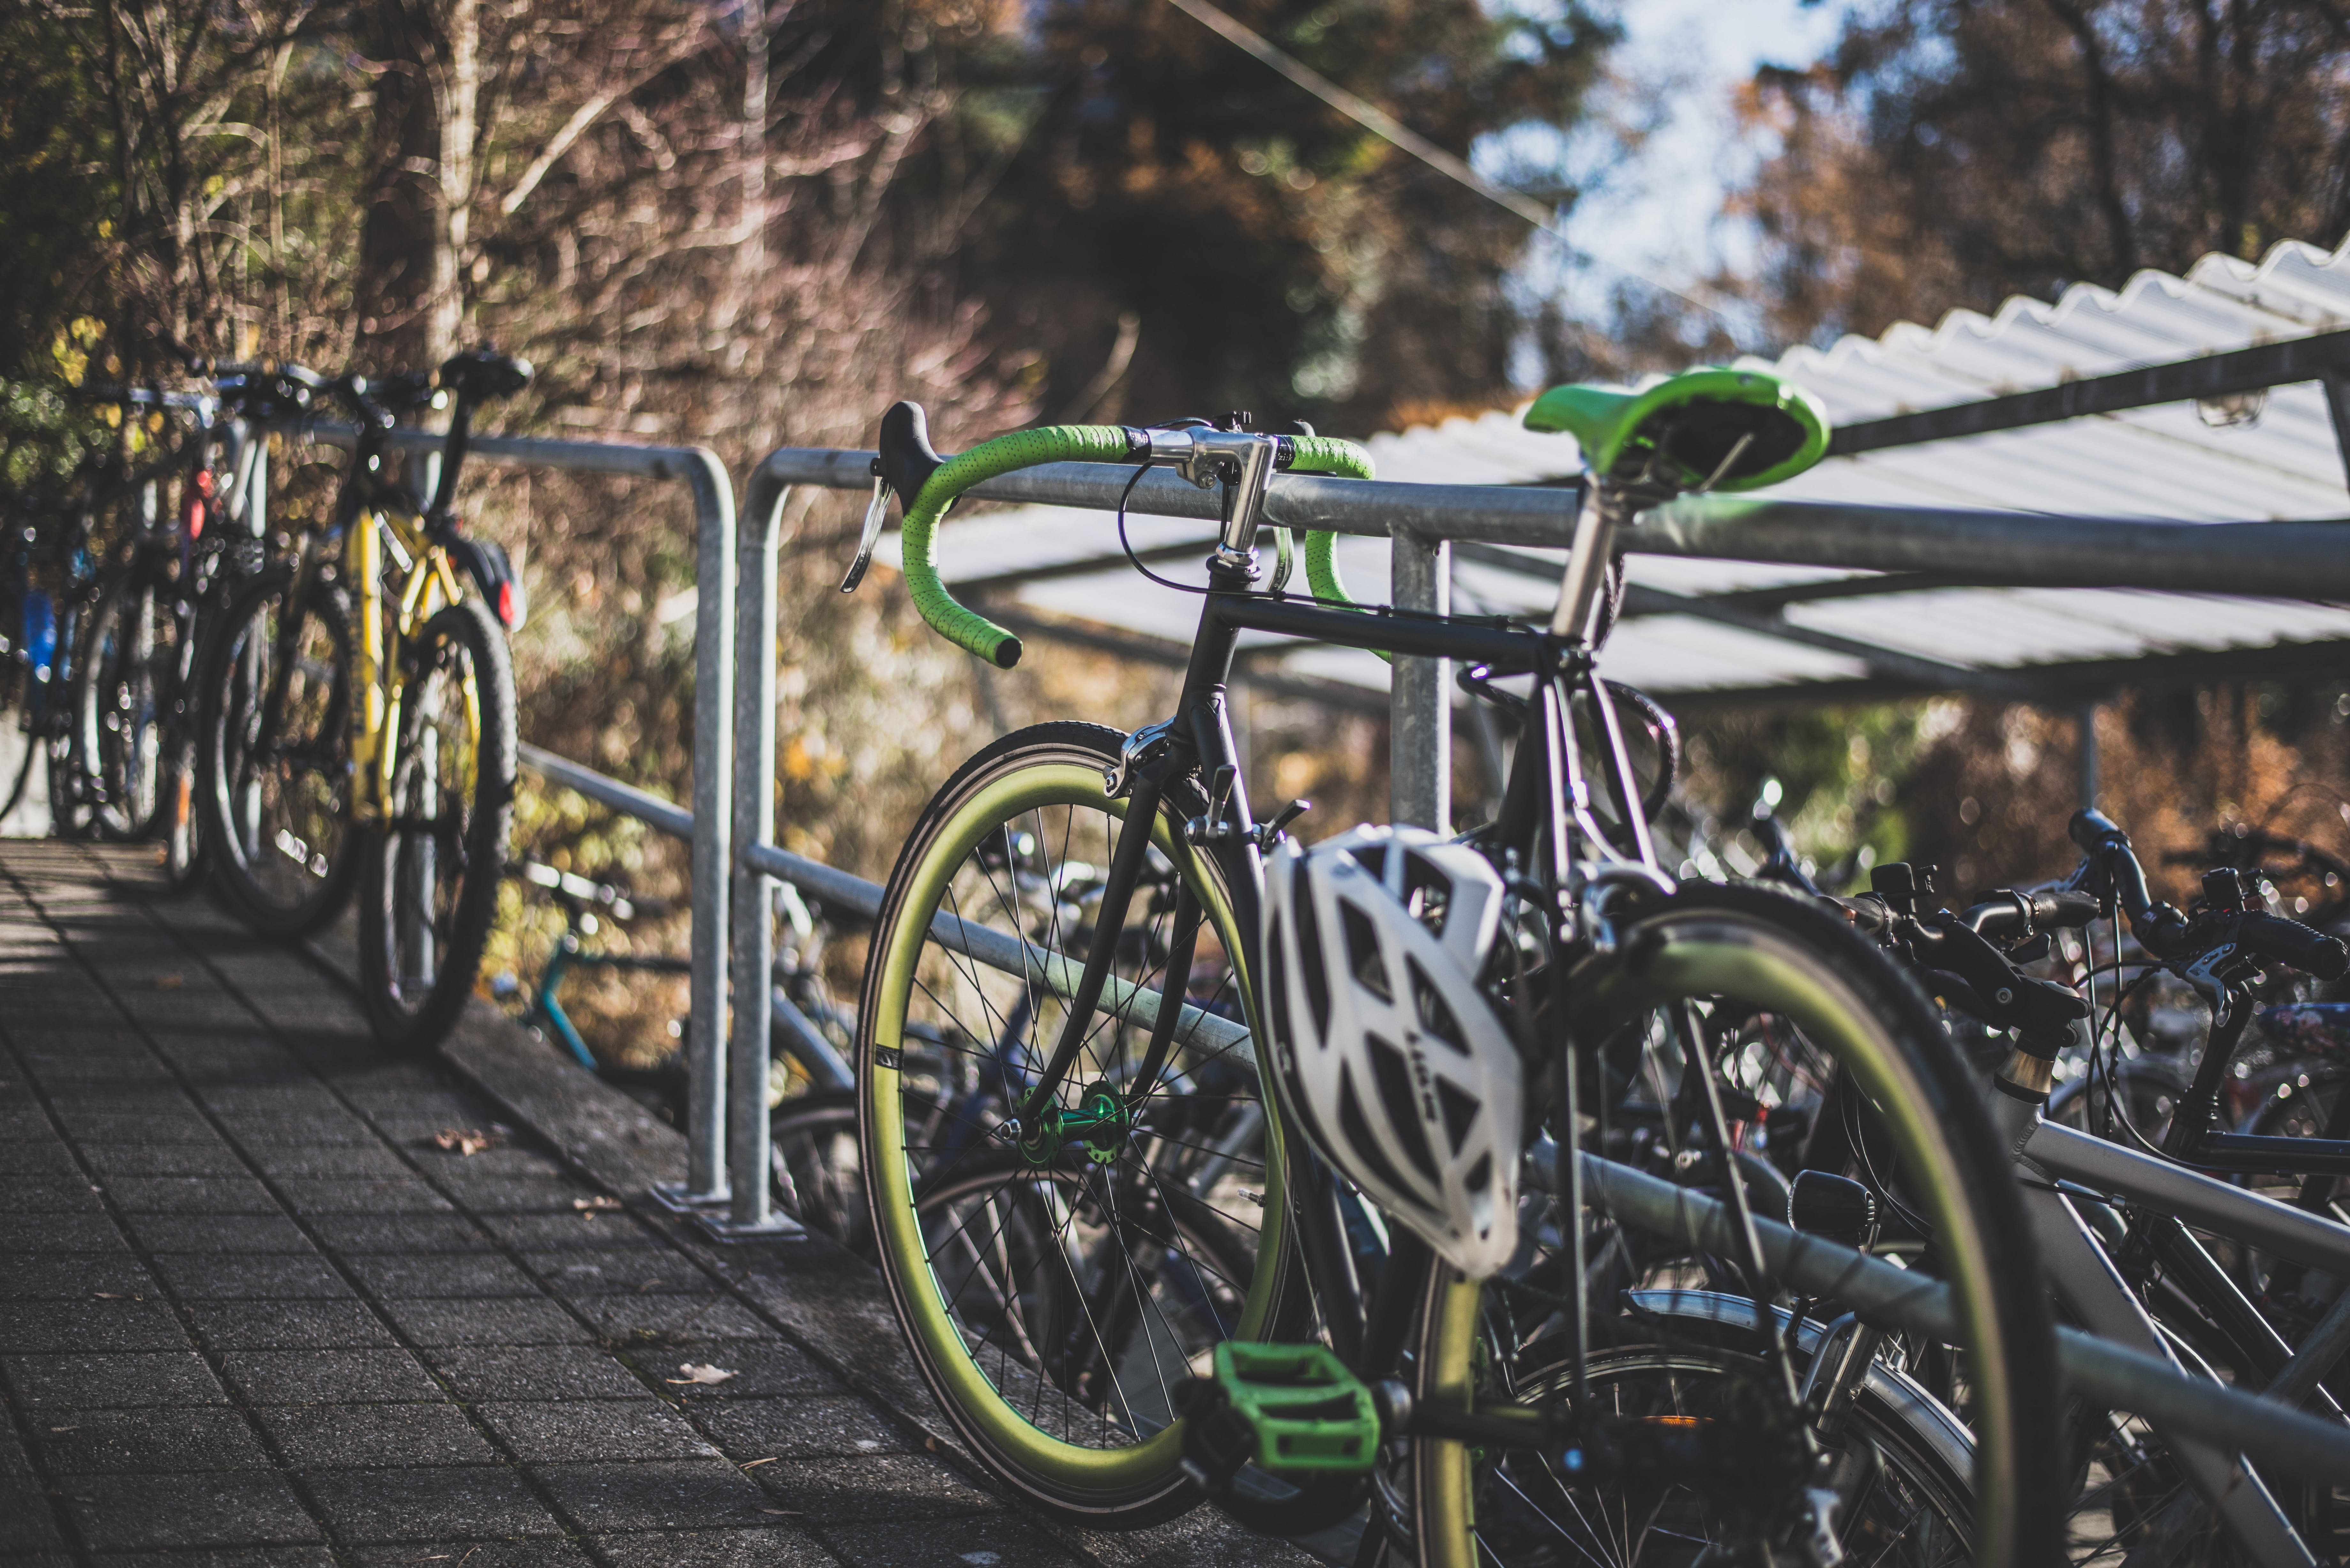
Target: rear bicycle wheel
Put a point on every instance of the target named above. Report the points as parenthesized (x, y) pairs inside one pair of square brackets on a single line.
[(1733, 953), (120, 700), (1013, 849), (429, 892), (273, 756)]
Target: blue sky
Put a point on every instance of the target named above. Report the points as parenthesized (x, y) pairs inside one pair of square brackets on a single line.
[(1656, 213)]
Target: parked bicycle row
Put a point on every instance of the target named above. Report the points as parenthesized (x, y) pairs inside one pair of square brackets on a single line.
[(303, 718), (1544, 1205)]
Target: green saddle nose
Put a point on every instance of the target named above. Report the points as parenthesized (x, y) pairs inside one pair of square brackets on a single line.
[(1711, 428)]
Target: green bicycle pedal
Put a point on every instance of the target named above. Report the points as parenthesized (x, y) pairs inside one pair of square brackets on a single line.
[(1293, 1410)]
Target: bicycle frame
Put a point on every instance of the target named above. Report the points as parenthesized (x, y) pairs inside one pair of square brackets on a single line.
[(1548, 804)]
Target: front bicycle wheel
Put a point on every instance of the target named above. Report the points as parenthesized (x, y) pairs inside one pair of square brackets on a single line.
[(1064, 1382), (430, 890), (1732, 956), (273, 757), (119, 703)]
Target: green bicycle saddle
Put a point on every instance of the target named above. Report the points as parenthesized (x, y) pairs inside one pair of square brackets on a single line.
[(1687, 429)]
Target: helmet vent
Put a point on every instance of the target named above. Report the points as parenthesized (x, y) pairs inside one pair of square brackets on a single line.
[(1363, 961), (1394, 1076), (1427, 892), (1309, 956), (1356, 1129), (1276, 977), (1460, 1113), (1434, 1016), (1480, 1174)]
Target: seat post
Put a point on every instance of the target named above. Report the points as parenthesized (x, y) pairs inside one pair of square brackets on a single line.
[(1586, 561)]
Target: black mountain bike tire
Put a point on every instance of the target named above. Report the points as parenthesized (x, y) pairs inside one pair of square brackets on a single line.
[(221, 699), (117, 814), (404, 1018)]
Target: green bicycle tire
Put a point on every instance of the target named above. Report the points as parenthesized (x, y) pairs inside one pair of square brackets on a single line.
[(1783, 954), (1070, 1462)]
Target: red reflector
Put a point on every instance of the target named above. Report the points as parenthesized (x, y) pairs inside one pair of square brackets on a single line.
[(507, 609)]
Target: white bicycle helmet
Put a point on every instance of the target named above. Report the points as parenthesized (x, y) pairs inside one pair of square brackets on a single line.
[(1404, 1075)]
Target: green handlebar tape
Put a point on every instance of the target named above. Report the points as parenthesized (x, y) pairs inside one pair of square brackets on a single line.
[(1343, 459), (967, 629)]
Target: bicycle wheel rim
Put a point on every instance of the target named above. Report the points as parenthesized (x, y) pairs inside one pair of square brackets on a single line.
[(1690, 950), (283, 850), (1111, 1474), (433, 866)]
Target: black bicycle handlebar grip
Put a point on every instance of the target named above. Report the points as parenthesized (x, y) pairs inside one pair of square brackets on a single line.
[(2093, 830), (480, 374), (906, 459), (2292, 943), (2069, 908)]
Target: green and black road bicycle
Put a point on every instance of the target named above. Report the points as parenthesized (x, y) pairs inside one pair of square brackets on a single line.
[(1150, 1285)]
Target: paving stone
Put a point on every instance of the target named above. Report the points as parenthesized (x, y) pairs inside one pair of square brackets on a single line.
[(497, 1160), (672, 1319), (322, 1376), (506, 1320), (979, 1541), (590, 1231), (415, 1275), (131, 1127), (281, 1105), (348, 1162), (621, 1272), (224, 1233), (515, 1194), (35, 1233), (229, 1508), (90, 1062), (434, 1233), (428, 1504), (363, 1436), (548, 1372), (779, 1547), (105, 1442), (111, 1160), (26, 1155), (579, 1431), (76, 1276), (761, 1370), (307, 1131), (540, 1552), (291, 1325), (814, 1428), (237, 1194), (881, 1487), (244, 1557), (141, 1381), (658, 1494), (70, 1194), (28, 1525), (405, 1194), (267, 1276), (49, 1328)]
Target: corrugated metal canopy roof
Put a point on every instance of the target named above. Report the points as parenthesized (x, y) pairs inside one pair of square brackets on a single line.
[(2179, 461)]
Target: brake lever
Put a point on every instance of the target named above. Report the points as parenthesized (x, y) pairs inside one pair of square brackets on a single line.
[(876, 514)]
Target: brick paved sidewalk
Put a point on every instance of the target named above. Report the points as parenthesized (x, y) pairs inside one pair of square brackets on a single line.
[(253, 1312)]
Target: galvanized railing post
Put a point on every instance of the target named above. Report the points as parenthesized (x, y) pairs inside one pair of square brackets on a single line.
[(714, 756), (1420, 748), (752, 918)]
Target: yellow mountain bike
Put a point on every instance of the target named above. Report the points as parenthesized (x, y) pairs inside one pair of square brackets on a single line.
[(355, 720)]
